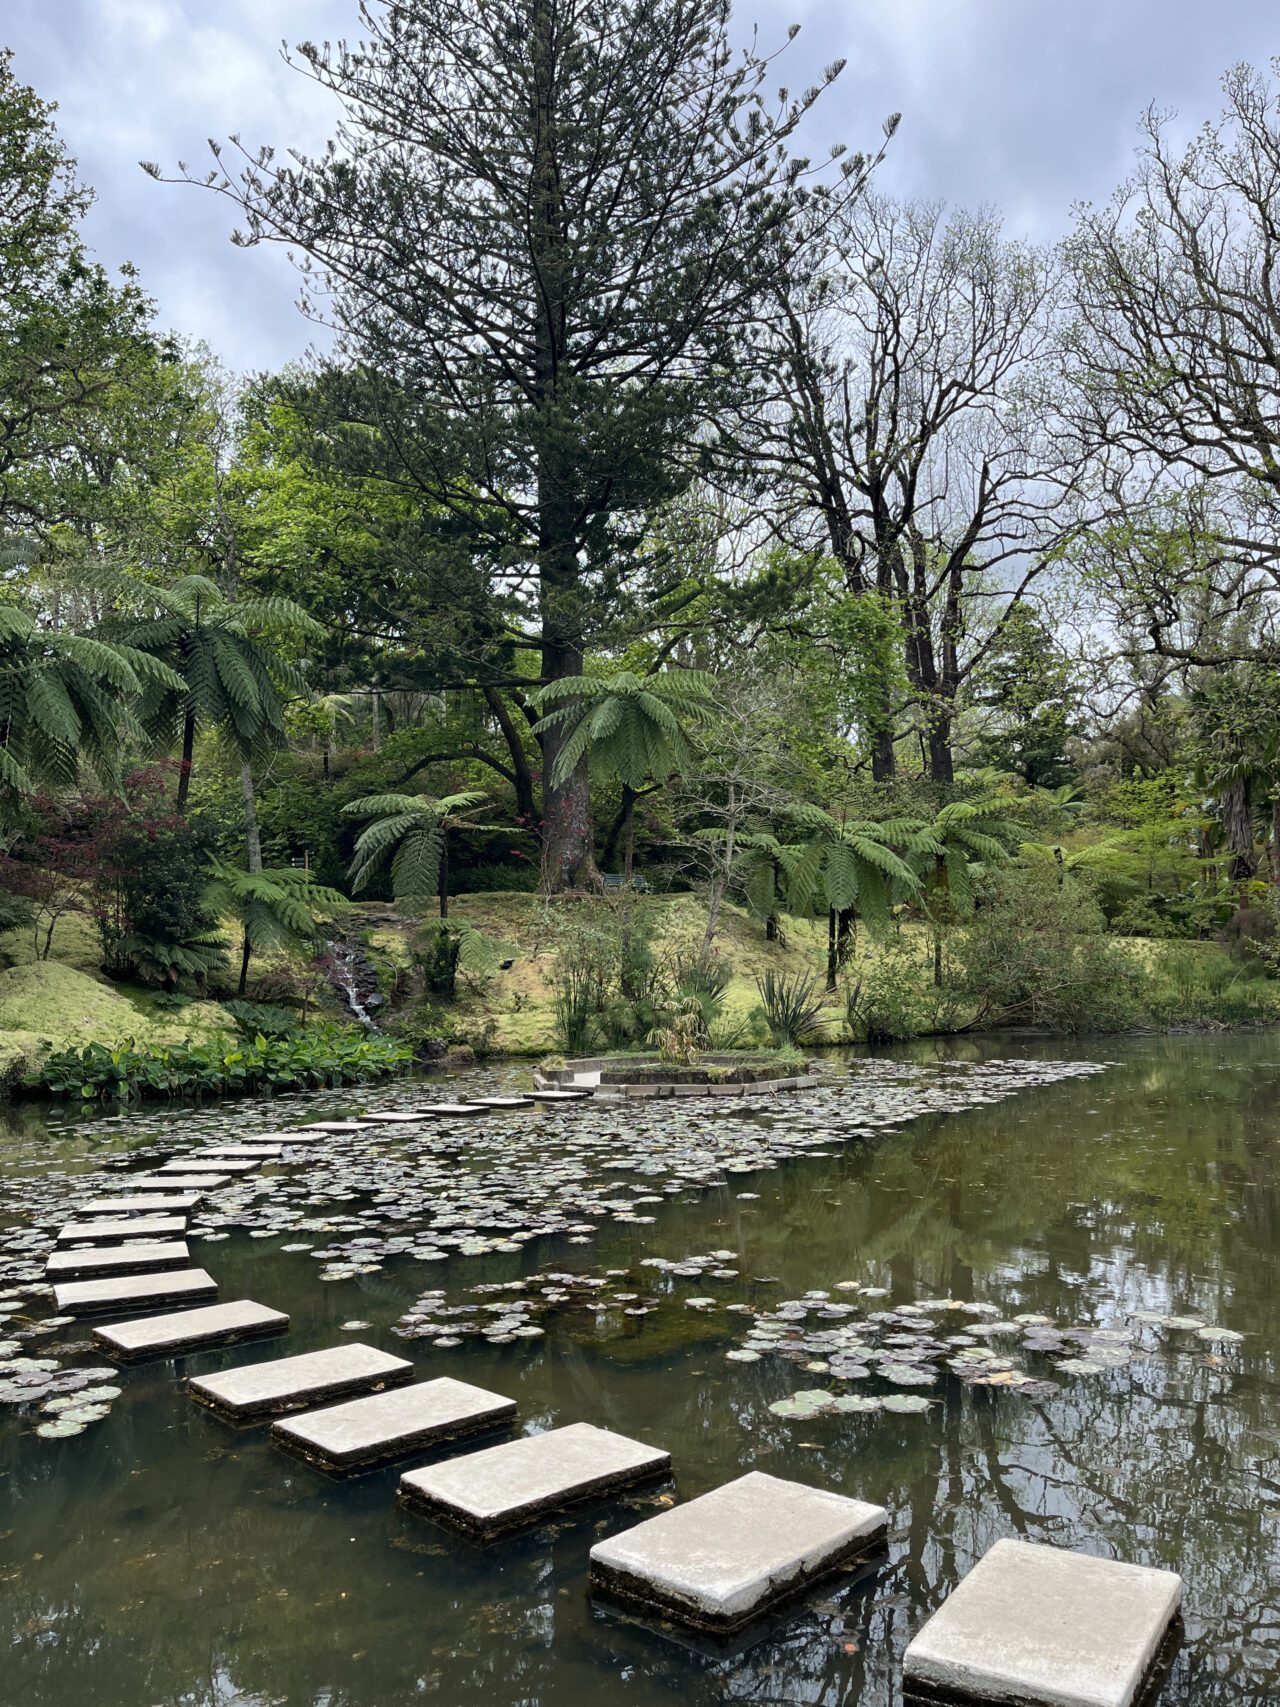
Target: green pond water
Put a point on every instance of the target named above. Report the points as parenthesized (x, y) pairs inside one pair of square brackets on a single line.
[(165, 1558)]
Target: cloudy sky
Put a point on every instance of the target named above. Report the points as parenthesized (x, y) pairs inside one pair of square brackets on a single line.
[(1027, 104)]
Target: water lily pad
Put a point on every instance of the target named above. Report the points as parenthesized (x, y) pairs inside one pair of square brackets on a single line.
[(1219, 1336), (1080, 1366), (904, 1404)]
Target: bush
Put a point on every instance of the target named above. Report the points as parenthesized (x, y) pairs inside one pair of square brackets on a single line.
[(1205, 986), (792, 1008), (258, 1019), (153, 918), (329, 1055), (893, 1000), (1037, 954), (520, 877)]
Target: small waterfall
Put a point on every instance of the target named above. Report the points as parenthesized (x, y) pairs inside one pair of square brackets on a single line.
[(346, 964)]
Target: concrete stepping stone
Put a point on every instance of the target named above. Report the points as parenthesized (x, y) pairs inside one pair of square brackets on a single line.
[(125, 1293), (734, 1553), (503, 1102), (390, 1118), (144, 1257), (434, 1108), (387, 1425), (1045, 1628), (120, 1228), (175, 1182), (191, 1330), (505, 1487), (560, 1096), (335, 1126), (179, 1202), (240, 1152), (199, 1164), (293, 1383)]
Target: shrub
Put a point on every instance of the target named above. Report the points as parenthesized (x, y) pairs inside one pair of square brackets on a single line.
[(889, 1002), (1037, 954), (259, 1019), (329, 1055), (1206, 986), (792, 1008)]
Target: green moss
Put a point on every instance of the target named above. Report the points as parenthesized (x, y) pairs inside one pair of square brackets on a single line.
[(47, 1003)]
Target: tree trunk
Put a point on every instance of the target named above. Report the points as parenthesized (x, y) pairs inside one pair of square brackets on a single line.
[(1237, 823), (721, 881), (568, 840), (845, 925), (526, 806), (246, 949), (937, 957), (1275, 839), (941, 760), (884, 763), (444, 874), (375, 722), (252, 836), (832, 951), (184, 768)]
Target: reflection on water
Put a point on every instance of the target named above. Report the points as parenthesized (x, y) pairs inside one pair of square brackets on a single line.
[(166, 1558)]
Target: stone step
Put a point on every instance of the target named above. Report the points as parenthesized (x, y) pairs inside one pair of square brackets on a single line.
[(200, 1164), (240, 1152), (393, 1118), (172, 1182), (142, 1257), (388, 1425), (503, 1102), (180, 1202), (434, 1109), (191, 1330), (293, 1383), (506, 1487), (128, 1295), (560, 1096), (733, 1554), (121, 1228), (1046, 1628), (335, 1126)]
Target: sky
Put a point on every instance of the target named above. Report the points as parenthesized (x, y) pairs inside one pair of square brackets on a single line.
[(1028, 105)]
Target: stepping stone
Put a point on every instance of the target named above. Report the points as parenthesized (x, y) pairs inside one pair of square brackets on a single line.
[(335, 1126), (122, 1228), (292, 1383), (505, 1487), (560, 1096), (181, 1202), (503, 1102), (141, 1292), (239, 1152), (140, 1258), (191, 1330), (396, 1119), (453, 1108), (387, 1425), (175, 1182), (722, 1559), (214, 1165), (1045, 1628)]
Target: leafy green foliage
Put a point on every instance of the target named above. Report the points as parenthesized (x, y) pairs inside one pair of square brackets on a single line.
[(410, 830), (793, 1008), (128, 1072), (624, 725), (260, 1019)]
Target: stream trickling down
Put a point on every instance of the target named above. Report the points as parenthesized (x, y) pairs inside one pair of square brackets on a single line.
[(162, 1557)]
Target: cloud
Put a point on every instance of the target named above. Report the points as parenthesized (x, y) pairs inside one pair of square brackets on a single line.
[(1026, 105)]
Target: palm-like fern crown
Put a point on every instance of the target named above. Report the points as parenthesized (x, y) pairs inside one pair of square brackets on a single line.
[(963, 834), (277, 908), (225, 654), (410, 830), (66, 700), (635, 728), (845, 864)]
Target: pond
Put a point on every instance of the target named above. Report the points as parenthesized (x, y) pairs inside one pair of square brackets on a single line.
[(164, 1557)]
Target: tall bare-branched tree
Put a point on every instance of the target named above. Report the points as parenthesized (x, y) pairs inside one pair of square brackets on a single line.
[(913, 428)]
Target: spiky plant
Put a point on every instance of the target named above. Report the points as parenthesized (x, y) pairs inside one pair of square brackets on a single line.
[(66, 701), (412, 831), (225, 656), (629, 727), (282, 908)]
